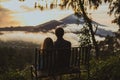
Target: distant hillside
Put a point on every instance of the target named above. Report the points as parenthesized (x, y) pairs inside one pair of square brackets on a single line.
[(43, 27), (71, 19), (25, 28)]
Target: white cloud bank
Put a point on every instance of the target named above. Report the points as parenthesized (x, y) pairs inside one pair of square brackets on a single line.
[(37, 38)]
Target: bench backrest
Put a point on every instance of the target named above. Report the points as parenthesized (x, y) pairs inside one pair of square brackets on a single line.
[(47, 59)]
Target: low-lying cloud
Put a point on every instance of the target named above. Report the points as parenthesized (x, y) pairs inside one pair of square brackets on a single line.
[(36, 38)]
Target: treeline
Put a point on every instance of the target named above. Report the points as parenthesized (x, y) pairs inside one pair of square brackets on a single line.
[(19, 44), (16, 55)]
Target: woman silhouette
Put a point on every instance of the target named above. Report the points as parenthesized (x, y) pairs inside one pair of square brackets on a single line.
[(46, 49), (48, 43)]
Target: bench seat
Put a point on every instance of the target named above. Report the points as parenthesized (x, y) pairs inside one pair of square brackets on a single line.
[(79, 62)]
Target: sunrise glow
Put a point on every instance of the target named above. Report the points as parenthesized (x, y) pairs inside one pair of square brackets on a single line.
[(26, 14)]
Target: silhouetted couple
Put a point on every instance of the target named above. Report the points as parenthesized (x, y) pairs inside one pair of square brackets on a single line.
[(62, 47)]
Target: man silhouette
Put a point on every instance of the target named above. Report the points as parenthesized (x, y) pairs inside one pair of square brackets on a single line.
[(63, 48)]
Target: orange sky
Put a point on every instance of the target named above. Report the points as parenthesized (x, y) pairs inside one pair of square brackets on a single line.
[(23, 13), (15, 13)]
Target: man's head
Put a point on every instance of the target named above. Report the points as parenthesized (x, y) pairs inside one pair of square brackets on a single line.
[(59, 32)]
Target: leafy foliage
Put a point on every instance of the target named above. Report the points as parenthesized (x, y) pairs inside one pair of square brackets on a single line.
[(84, 37), (16, 74), (114, 9), (12, 75), (15, 60), (106, 69)]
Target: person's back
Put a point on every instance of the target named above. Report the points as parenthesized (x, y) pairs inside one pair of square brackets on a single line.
[(63, 48), (61, 43), (46, 51)]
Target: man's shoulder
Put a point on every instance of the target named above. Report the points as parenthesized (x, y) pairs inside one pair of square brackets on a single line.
[(62, 42), (68, 42)]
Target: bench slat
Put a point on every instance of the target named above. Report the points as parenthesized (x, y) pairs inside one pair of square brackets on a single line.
[(46, 60)]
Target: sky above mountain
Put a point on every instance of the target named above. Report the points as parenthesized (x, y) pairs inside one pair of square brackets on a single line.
[(16, 13)]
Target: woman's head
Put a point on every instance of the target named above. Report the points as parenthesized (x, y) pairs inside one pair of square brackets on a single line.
[(48, 43)]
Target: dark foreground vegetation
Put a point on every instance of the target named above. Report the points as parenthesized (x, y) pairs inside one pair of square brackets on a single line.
[(107, 66), (16, 58)]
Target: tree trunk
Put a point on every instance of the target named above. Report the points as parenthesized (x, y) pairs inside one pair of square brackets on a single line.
[(88, 21)]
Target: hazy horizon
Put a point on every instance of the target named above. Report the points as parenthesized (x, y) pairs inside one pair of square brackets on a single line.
[(14, 13)]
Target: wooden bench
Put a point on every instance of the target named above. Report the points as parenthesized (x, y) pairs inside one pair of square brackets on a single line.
[(79, 63)]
